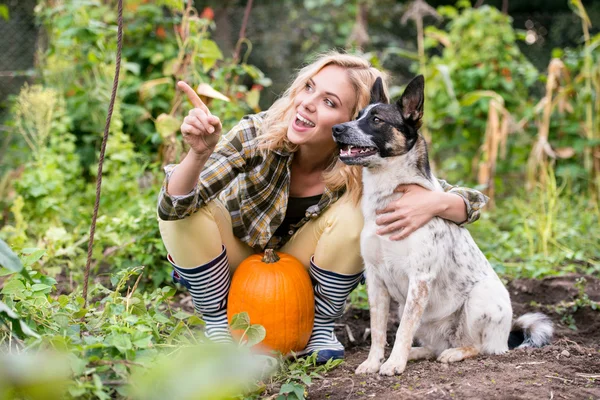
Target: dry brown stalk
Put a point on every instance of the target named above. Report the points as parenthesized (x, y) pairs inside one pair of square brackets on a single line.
[(541, 153), (498, 127)]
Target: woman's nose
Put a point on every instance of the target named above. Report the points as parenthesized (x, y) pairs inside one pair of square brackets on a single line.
[(309, 103)]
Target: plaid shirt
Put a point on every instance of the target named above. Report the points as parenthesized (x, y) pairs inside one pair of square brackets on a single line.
[(254, 187)]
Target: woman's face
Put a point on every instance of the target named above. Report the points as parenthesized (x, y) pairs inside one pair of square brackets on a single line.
[(327, 99)]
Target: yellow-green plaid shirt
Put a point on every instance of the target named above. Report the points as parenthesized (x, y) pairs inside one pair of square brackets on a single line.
[(254, 186)]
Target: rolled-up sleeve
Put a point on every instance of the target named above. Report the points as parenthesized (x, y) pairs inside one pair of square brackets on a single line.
[(222, 167), (474, 200)]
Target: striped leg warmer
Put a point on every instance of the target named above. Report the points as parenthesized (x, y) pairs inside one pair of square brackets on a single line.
[(331, 291), (209, 286)]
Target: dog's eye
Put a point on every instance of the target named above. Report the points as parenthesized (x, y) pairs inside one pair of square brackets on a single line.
[(376, 120)]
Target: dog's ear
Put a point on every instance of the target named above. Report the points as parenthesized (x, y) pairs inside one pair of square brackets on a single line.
[(377, 93), (411, 102)]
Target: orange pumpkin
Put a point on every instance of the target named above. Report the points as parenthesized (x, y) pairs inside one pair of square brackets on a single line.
[(276, 292)]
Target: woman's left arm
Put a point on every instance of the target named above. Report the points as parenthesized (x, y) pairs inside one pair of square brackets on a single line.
[(417, 206)]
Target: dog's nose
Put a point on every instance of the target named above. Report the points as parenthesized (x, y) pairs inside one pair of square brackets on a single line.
[(339, 129)]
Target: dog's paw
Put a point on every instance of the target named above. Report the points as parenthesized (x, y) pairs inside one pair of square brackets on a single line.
[(457, 354), (391, 368), (368, 367)]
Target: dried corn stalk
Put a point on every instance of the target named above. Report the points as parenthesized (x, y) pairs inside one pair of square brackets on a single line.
[(499, 125), (542, 153)]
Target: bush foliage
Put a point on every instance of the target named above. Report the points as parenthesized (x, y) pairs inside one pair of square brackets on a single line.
[(474, 73)]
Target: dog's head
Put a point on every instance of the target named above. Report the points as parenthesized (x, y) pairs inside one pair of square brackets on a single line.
[(382, 130)]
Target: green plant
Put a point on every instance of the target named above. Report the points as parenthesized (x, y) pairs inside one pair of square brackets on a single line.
[(297, 374), (477, 52), (551, 235), (581, 301)]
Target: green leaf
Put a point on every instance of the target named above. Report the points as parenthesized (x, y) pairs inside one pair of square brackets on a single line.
[(158, 317), (19, 327), (39, 287), (252, 98), (240, 321), (121, 341), (473, 97), (13, 287), (77, 364), (181, 315), (8, 259), (142, 340), (63, 300), (132, 67), (293, 391), (166, 125), (209, 53), (397, 51), (4, 12), (255, 334), (306, 379), (209, 49)]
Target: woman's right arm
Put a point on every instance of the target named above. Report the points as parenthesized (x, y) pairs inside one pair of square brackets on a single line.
[(201, 131), (212, 163)]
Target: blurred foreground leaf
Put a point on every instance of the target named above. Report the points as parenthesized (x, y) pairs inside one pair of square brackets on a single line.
[(8, 259), (207, 372), (34, 376)]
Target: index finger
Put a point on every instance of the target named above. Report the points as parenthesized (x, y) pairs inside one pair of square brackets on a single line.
[(192, 96), (386, 210)]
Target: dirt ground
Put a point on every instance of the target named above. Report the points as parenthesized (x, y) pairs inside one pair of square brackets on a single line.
[(569, 368)]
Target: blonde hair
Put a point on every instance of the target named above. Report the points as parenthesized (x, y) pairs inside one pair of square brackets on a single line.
[(362, 76)]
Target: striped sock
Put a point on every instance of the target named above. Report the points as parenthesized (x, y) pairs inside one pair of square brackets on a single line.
[(331, 291), (209, 285)]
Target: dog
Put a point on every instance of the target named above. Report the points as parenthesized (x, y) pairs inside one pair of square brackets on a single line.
[(451, 300)]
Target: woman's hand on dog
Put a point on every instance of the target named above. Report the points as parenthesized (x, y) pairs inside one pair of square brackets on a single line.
[(415, 208)]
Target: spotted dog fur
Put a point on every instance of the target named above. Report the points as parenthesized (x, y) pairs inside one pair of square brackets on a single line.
[(451, 300)]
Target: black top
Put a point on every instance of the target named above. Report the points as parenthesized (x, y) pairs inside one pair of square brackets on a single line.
[(296, 210)]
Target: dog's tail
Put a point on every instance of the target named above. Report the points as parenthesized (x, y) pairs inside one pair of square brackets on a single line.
[(531, 330)]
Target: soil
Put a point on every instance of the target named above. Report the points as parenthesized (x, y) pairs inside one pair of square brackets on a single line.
[(569, 368)]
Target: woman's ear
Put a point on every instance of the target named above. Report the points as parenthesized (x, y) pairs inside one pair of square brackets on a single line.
[(411, 102), (377, 93)]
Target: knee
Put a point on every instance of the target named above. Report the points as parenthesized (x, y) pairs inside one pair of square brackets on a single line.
[(193, 240), (346, 221), (338, 249)]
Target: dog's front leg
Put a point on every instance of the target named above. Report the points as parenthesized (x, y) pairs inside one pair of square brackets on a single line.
[(379, 305), (416, 301)]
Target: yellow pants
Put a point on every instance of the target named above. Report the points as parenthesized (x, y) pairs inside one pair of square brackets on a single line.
[(333, 238)]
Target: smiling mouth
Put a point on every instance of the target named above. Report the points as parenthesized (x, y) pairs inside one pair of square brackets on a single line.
[(348, 151), (303, 122)]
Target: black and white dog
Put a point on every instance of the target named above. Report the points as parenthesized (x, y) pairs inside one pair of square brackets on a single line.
[(451, 300)]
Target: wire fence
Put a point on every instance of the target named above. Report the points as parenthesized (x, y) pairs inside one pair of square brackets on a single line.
[(18, 42)]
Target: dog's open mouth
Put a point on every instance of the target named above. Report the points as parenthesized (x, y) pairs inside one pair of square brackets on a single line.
[(350, 151)]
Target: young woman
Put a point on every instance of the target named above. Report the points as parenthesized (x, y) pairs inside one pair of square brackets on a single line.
[(275, 181)]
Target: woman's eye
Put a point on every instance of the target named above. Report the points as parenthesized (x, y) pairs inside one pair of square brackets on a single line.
[(308, 87), (329, 103)]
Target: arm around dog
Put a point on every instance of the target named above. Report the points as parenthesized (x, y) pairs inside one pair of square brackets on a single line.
[(418, 206)]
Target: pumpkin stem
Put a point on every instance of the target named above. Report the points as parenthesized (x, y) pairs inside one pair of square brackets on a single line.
[(270, 257)]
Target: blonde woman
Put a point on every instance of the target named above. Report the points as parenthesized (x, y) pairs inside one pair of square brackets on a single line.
[(275, 181)]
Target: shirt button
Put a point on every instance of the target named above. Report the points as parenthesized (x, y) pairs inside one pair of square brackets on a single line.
[(291, 232)]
